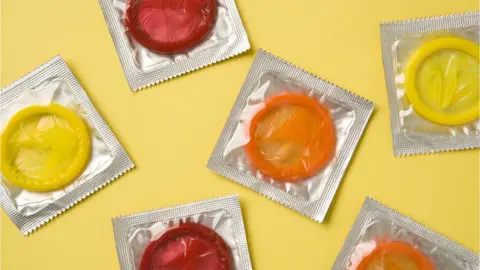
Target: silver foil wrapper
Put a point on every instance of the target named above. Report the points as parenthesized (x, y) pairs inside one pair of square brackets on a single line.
[(223, 215), (144, 68), (270, 76), (411, 133), (377, 221), (53, 82)]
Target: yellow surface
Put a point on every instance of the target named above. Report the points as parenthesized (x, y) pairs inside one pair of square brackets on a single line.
[(171, 129)]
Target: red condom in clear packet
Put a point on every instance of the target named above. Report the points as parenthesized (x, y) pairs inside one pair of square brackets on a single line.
[(205, 235), (157, 40)]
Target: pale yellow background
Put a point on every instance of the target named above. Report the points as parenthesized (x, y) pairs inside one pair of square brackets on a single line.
[(170, 130)]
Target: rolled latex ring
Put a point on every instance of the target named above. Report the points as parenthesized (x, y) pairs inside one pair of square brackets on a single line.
[(420, 106), (380, 253), (61, 177), (323, 139)]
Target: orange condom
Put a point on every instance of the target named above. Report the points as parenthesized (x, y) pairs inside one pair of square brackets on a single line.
[(291, 138), (395, 256)]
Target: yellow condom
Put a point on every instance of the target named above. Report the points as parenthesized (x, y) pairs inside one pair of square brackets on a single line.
[(44, 148), (442, 81)]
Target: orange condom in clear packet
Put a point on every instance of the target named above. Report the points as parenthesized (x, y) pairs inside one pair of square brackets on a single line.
[(290, 135)]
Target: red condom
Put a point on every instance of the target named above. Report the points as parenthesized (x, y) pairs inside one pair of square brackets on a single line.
[(170, 26), (190, 246)]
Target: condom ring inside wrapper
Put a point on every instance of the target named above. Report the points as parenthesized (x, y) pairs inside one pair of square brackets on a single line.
[(381, 238), (207, 235), (157, 40), (291, 138), (55, 148), (442, 81), (44, 148), (432, 74)]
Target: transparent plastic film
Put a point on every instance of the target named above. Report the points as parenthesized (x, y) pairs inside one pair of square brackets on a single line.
[(290, 135), (384, 239), (200, 236), (433, 83)]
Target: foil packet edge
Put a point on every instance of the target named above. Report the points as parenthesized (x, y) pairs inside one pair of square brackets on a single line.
[(430, 18)]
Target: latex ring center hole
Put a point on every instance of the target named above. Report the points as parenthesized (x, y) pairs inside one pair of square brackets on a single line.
[(42, 145), (447, 81), (283, 134)]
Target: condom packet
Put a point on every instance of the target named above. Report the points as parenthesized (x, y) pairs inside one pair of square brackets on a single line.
[(431, 71), (56, 149), (199, 33), (381, 236), (142, 238), (304, 129)]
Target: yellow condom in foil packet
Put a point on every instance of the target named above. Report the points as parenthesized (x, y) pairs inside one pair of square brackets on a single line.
[(44, 148), (442, 81)]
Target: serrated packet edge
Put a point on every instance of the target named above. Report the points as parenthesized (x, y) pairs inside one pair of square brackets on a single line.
[(229, 203), (372, 209), (363, 108), (121, 163), (402, 145), (139, 80)]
